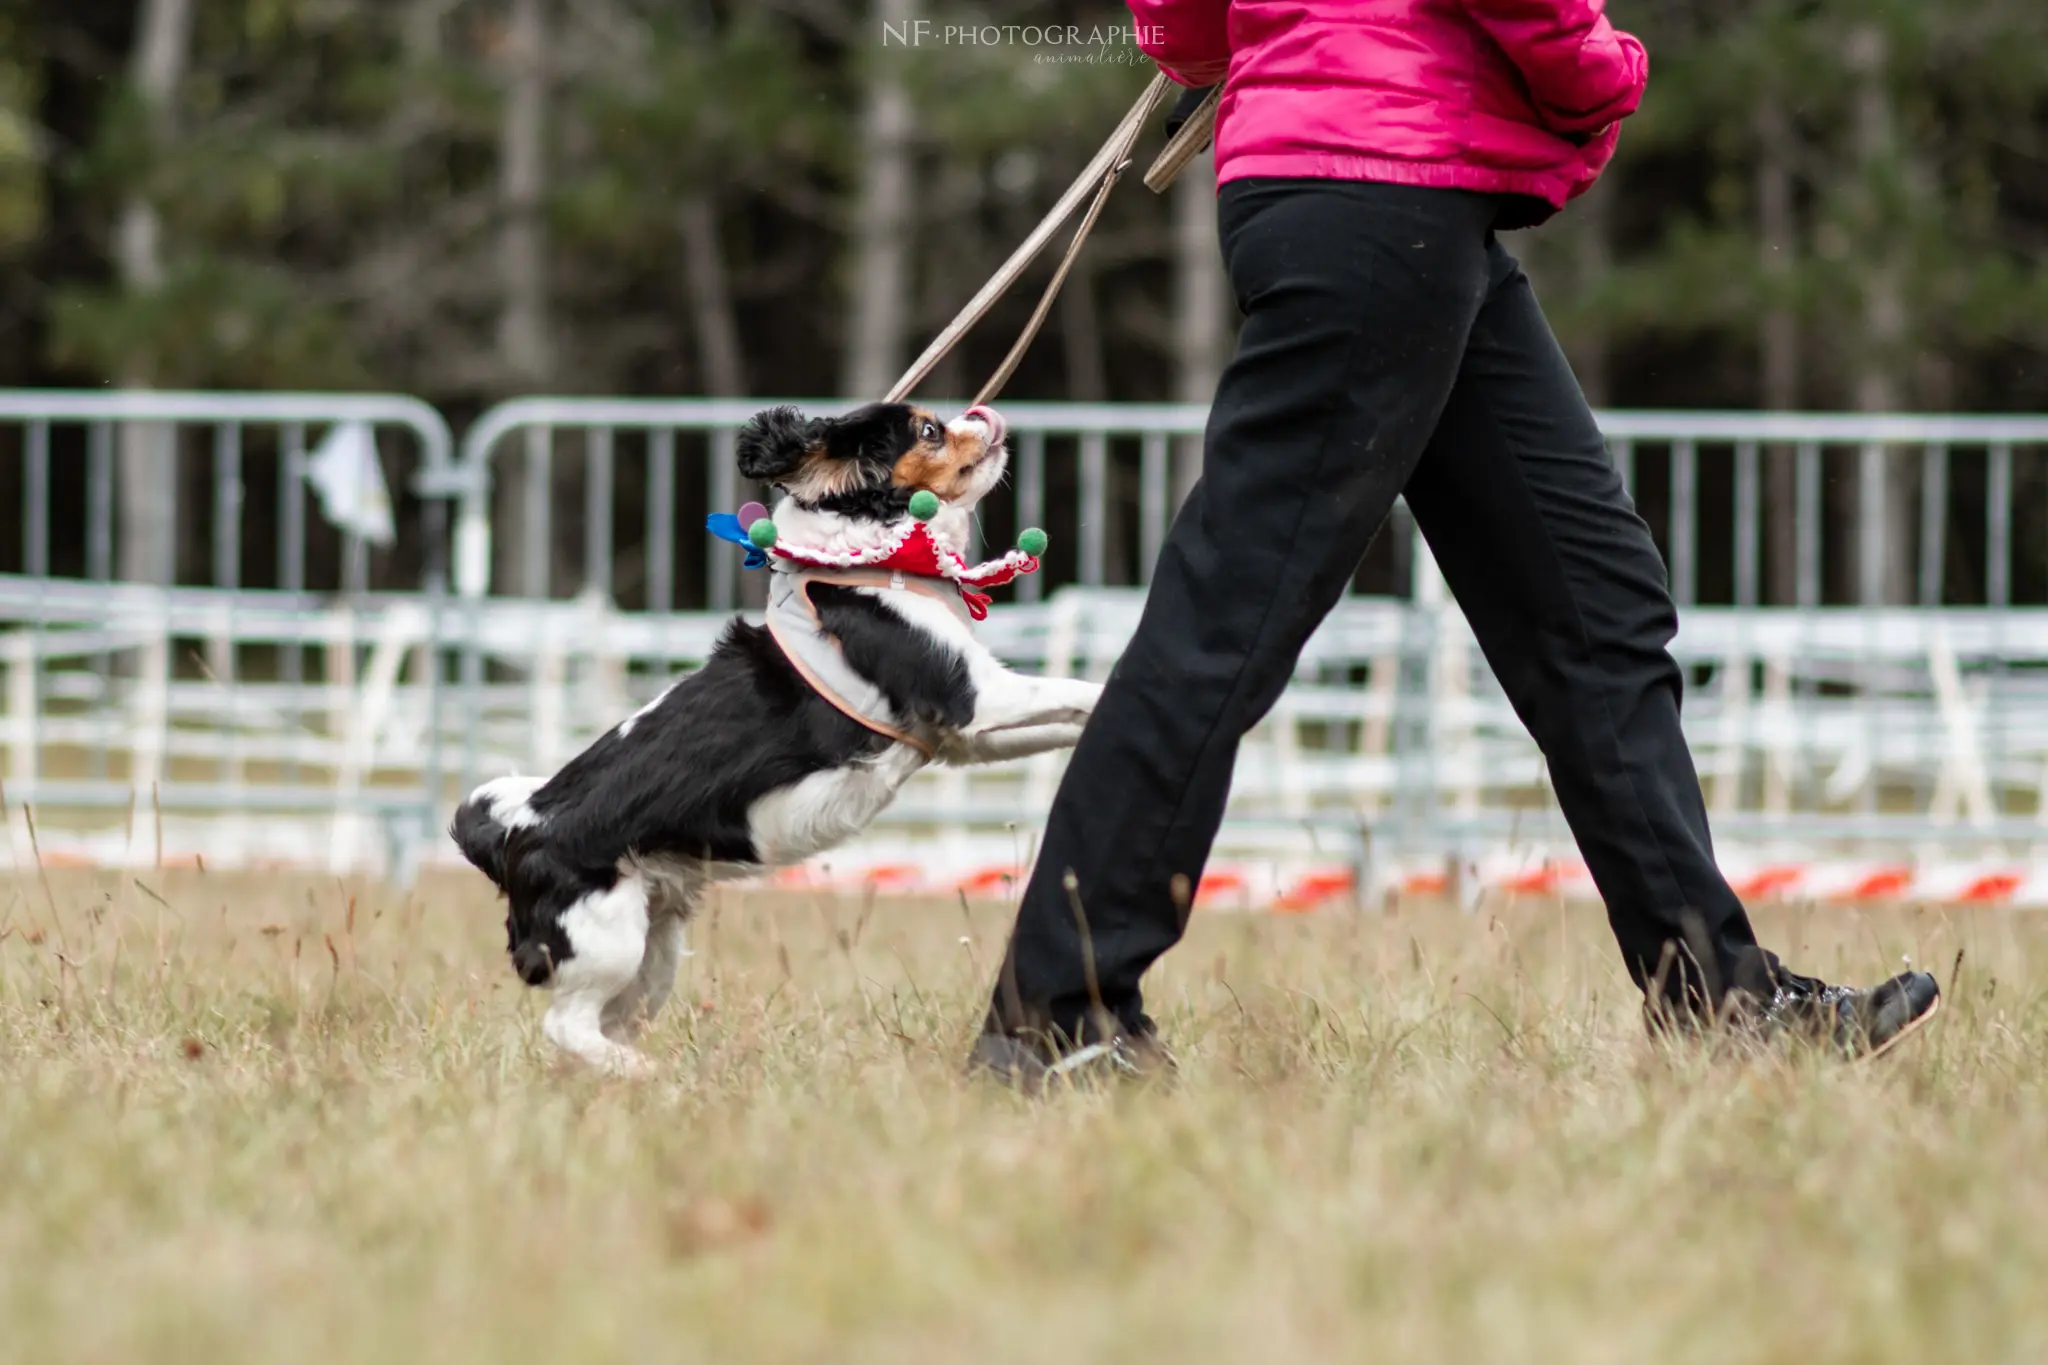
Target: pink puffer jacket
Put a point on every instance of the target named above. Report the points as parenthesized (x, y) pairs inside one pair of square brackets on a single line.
[(1504, 96)]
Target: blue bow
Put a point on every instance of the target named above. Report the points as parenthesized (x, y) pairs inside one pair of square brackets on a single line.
[(726, 526)]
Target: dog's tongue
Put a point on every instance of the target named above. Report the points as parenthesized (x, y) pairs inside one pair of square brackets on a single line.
[(997, 427)]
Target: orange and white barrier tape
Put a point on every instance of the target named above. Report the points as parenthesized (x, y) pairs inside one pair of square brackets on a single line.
[(1296, 888), (1279, 883)]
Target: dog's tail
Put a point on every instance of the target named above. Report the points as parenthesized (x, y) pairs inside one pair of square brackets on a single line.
[(483, 823), (477, 831), (496, 830), (492, 846)]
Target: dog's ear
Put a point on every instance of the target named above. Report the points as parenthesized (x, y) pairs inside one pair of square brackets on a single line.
[(876, 434), (774, 443)]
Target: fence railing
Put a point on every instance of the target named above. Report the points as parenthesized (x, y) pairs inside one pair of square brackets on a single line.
[(1850, 497), (1907, 486), (1066, 463), (335, 695), (158, 632)]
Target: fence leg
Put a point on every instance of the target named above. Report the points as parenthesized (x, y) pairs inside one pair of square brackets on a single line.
[(24, 712), (607, 665), (1382, 693), (1417, 786), (368, 714), (339, 651), (1781, 754), (152, 721), (550, 680), (234, 767), (24, 738), (1061, 641), (1734, 732), (1287, 758), (951, 784), (1962, 766), (1453, 691), (2041, 806)]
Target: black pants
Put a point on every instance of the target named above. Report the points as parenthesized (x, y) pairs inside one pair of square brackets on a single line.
[(1390, 345)]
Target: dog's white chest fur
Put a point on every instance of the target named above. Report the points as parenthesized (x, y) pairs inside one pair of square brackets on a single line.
[(826, 809)]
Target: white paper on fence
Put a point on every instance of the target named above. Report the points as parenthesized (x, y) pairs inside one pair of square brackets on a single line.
[(349, 480)]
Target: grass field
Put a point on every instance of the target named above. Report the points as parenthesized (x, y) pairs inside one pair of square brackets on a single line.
[(275, 1120)]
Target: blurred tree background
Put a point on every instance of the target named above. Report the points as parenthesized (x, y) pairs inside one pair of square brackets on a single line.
[(1824, 204)]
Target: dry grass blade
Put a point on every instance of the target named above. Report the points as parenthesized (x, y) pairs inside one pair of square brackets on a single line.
[(219, 1156)]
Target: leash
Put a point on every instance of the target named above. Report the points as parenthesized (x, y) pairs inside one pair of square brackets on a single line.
[(798, 632), (1186, 143), (1101, 174)]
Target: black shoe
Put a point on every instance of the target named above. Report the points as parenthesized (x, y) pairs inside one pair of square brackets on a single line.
[(1030, 1064), (1861, 1023)]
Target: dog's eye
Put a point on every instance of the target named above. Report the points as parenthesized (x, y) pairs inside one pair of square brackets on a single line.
[(929, 431)]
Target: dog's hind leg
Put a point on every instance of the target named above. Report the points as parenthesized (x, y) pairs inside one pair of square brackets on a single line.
[(608, 935), (634, 1008)]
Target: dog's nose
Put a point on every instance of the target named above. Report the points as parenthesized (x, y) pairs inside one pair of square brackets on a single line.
[(992, 419)]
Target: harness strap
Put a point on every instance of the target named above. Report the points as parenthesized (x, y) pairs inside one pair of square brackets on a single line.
[(794, 623)]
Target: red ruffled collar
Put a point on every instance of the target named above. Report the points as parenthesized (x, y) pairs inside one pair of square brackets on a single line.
[(914, 550)]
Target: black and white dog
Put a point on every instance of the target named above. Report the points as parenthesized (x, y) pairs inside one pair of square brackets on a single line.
[(744, 764)]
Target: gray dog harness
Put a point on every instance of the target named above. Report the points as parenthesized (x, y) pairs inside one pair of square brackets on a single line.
[(814, 653)]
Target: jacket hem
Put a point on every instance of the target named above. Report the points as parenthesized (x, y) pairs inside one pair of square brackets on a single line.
[(1554, 190)]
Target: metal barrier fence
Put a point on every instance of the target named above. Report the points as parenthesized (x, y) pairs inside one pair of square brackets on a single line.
[(191, 693), (182, 558), (1099, 476), (1818, 732), (1067, 463), (1916, 482)]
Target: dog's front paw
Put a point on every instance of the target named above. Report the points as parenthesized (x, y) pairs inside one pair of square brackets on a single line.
[(628, 1064), (953, 748), (619, 1063), (573, 1027)]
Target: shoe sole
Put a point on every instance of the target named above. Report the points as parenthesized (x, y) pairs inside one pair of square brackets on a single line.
[(1912, 1027), (1078, 1060), (1094, 1064)]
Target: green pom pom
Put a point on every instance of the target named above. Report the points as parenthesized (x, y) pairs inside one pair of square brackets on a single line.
[(924, 504), (1031, 541), (762, 533)]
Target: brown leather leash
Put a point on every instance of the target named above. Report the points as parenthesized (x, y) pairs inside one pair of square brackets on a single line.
[(1100, 174), (1186, 143)]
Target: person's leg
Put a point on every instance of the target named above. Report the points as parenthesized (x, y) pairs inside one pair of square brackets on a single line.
[(1565, 591), (1356, 300)]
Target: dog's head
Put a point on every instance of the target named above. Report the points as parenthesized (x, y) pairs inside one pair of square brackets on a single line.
[(869, 462)]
